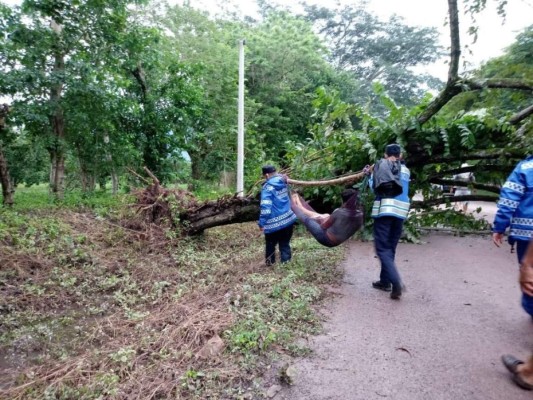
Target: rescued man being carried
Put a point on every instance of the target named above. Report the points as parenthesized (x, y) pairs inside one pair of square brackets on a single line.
[(331, 230)]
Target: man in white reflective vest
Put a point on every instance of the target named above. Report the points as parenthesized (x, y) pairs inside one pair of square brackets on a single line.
[(389, 214)]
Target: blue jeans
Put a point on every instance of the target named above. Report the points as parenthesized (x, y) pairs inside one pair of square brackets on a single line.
[(527, 301), (281, 237), (387, 232), (319, 233)]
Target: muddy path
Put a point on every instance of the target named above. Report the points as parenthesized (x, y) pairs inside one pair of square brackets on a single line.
[(443, 340)]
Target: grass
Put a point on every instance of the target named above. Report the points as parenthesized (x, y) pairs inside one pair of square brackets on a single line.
[(94, 310)]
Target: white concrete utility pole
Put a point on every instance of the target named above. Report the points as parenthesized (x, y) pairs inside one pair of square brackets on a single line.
[(240, 133)]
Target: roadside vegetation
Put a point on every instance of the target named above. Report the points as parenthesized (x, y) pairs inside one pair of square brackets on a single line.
[(111, 291), (91, 309)]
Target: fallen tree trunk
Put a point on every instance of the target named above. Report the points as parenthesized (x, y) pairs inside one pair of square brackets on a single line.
[(196, 218), (239, 210), (233, 210), (220, 212)]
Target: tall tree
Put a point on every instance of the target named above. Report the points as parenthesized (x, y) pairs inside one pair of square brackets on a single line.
[(376, 51), (516, 64), (437, 139), (210, 45), (49, 46), (286, 64)]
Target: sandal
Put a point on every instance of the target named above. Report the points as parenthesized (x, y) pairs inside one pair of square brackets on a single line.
[(511, 363)]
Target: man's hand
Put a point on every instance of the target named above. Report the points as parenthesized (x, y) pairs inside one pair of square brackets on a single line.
[(497, 238), (526, 278)]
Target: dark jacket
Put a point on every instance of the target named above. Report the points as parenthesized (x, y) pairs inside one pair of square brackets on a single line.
[(386, 178)]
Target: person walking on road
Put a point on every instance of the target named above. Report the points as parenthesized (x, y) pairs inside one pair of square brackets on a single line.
[(522, 372), (390, 183), (515, 211), (276, 218)]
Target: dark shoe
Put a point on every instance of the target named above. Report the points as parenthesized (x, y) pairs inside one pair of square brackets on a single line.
[(511, 363), (396, 293), (382, 286)]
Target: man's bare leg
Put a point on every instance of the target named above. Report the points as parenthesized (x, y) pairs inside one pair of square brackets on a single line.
[(295, 198)]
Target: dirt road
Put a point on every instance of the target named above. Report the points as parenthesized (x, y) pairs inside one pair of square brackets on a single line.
[(443, 340)]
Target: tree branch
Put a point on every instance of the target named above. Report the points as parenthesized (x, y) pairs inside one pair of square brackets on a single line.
[(336, 181), (443, 200), (140, 76), (4, 110), (455, 47), (480, 186), (473, 168), (498, 84), (450, 91), (420, 159), (521, 115)]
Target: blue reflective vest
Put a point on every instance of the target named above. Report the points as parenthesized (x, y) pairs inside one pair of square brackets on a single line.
[(515, 207), (276, 210), (396, 206)]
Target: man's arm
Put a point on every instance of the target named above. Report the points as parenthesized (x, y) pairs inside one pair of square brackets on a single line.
[(511, 195), (326, 223)]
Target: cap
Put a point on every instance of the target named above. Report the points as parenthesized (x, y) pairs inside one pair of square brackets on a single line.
[(268, 169), (393, 150)]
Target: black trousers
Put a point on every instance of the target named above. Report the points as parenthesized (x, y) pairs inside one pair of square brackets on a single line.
[(387, 233), (281, 237)]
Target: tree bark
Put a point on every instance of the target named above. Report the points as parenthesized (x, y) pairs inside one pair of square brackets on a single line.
[(337, 181), (196, 168), (114, 181), (498, 84), (113, 172), (57, 121), (521, 115), (153, 149), (218, 213), (455, 42), (5, 179), (87, 177)]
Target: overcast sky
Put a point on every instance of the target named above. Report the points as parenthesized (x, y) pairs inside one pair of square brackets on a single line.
[(494, 34)]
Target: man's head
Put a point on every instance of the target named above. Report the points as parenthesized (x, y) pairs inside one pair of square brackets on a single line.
[(393, 150), (268, 170), (347, 193)]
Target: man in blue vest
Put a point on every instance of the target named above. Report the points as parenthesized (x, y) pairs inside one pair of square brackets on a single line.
[(276, 219), (389, 214), (515, 211)]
